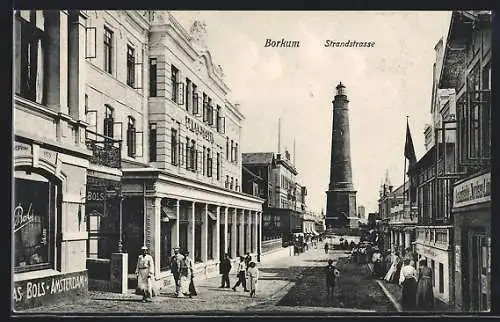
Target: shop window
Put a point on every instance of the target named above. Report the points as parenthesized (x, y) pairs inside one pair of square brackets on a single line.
[(441, 278), (152, 77), (183, 235), (152, 142), (222, 247), (131, 137), (210, 237), (108, 50), (34, 212), (30, 52), (197, 242), (166, 245)]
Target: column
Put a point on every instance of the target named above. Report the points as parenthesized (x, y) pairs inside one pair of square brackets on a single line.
[(401, 241), (217, 237), (204, 235), (255, 231), (407, 239), (155, 238), (175, 225), (226, 246), (233, 234), (242, 232), (191, 230), (259, 237), (248, 232), (57, 62), (392, 241)]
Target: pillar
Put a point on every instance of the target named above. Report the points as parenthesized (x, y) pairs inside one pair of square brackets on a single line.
[(217, 237), (191, 230), (226, 246), (155, 238), (233, 233), (175, 225), (242, 232), (255, 231), (204, 235), (57, 62), (401, 241), (392, 241), (407, 239), (248, 232), (259, 237)]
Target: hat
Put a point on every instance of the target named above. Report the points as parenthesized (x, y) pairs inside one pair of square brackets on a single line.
[(144, 247)]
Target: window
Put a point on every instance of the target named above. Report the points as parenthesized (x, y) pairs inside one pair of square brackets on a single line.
[(193, 156), (227, 149), (188, 154), (486, 117), (152, 77), (152, 142), (236, 152), (86, 104), (33, 221), (205, 107), (29, 57), (130, 66), (232, 183), (131, 134), (218, 166), (209, 163), (203, 163), (210, 112), (108, 50), (433, 272), (108, 122), (173, 80), (232, 151), (227, 181), (188, 94), (210, 238), (441, 278), (237, 185), (173, 147), (196, 107)]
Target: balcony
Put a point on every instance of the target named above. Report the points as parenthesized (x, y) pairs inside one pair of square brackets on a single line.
[(105, 150), (435, 236), (403, 215)]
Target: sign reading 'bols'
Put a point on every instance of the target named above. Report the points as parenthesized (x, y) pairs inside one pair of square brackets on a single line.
[(40, 291)]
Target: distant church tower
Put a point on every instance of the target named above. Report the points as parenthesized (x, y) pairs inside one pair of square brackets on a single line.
[(341, 196)]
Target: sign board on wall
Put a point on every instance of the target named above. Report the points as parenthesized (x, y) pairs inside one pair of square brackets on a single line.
[(47, 290), (472, 191), (457, 258)]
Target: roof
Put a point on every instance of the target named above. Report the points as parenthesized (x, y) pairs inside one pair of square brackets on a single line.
[(257, 158)]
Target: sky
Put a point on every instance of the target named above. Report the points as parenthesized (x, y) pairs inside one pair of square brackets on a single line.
[(384, 84)]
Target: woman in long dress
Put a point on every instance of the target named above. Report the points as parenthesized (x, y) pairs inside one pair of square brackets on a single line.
[(425, 295), (408, 280), (392, 270), (185, 275)]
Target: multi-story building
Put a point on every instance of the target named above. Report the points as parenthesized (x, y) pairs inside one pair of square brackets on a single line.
[(274, 178), (50, 157), (467, 70), (136, 144)]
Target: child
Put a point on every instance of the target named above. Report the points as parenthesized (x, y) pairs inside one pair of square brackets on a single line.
[(253, 277), (331, 273)]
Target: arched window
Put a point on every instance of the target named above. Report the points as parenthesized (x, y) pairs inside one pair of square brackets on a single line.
[(33, 224)]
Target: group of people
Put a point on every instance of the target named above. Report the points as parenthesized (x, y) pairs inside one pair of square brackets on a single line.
[(246, 269), (401, 269), (181, 266)]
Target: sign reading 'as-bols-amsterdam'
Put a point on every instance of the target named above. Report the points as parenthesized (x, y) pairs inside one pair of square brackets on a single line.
[(472, 191)]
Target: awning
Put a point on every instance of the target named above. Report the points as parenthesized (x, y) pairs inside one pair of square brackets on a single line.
[(315, 232), (168, 214), (210, 215)]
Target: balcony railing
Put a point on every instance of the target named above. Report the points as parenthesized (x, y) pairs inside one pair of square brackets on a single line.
[(105, 150)]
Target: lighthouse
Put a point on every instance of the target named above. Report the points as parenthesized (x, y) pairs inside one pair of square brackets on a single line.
[(341, 196)]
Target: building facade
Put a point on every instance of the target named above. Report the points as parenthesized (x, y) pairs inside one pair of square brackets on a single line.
[(50, 158), (467, 70)]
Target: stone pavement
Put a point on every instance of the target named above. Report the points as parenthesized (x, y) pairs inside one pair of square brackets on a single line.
[(279, 274)]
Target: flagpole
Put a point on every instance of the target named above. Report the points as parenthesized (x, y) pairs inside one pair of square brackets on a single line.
[(404, 172)]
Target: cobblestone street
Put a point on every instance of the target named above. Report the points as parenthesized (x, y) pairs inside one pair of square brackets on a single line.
[(287, 284)]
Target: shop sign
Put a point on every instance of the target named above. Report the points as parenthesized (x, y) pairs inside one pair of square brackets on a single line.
[(48, 155), (195, 127), (457, 258), (36, 292), (473, 191), (23, 216), (95, 199), (22, 150)]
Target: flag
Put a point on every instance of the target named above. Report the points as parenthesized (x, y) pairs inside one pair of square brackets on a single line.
[(409, 149)]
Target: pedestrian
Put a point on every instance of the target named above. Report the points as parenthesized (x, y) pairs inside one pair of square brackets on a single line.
[(425, 295), (144, 272), (326, 248), (389, 277), (242, 268), (408, 280), (248, 259), (397, 272), (175, 263), (331, 272), (192, 290), (186, 272), (377, 263), (253, 277), (224, 269)]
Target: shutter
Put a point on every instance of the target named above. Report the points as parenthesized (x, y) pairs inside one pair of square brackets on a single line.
[(138, 149), (90, 42), (118, 131), (180, 93), (223, 125), (138, 73)]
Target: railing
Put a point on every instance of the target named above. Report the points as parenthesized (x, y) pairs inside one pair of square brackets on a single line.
[(106, 151)]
